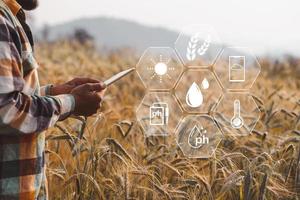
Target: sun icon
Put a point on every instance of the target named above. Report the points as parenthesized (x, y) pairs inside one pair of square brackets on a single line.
[(160, 69)]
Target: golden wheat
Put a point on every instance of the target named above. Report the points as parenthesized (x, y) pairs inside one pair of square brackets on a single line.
[(108, 157)]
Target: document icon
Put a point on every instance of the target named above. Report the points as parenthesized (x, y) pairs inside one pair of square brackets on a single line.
[(159, 114), (236, 68)]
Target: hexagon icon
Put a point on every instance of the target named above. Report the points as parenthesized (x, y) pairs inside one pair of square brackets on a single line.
[(158, 113), (237, 68), (198, 45), (198, 136), (237, 113), (159, 68), (198, 91)]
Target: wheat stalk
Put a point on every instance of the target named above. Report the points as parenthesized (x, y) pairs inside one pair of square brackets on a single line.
[(247, 185), (262, 189)]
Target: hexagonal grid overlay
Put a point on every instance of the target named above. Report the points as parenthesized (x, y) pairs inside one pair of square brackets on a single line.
[(198, 136), (159, 68), (159, 113), (198, 91), (237, 113), (237, 68), (198, 45)]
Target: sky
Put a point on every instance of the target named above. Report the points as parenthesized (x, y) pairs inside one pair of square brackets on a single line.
[(266, 26)]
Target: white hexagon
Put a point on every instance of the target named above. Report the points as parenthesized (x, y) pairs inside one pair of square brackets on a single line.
[(158, 113), (237, 113), (198, 136), (159, 68), (198, 45), (237, 68), (198, 90)]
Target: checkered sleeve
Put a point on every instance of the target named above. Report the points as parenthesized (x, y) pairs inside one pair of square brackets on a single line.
[(45, 90), (21, 112)]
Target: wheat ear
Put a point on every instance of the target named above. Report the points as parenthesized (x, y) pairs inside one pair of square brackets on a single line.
[(204, 47), (191, 49)]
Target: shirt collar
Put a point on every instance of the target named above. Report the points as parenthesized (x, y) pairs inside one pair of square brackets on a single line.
[(13, 6)]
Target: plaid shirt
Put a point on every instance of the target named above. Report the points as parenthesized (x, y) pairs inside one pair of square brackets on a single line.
[(25, 112)]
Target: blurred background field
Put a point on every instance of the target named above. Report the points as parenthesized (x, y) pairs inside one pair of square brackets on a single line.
[(108, 157)]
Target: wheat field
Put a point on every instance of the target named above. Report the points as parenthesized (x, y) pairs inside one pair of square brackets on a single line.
[(107, 156)]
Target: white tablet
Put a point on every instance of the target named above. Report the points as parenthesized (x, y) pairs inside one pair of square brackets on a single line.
[(118, 76)]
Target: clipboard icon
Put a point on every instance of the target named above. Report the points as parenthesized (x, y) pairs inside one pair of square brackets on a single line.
[(159, 114)]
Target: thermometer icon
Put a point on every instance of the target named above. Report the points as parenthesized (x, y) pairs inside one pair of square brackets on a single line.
[(237, 121)]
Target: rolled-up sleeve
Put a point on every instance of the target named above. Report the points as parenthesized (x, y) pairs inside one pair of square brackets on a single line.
[(45, 90)]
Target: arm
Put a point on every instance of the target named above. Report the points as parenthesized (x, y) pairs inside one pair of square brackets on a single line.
[(21, 113)]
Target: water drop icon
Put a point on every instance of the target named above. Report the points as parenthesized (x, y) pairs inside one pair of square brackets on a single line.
[(194, 97), (205, 84)]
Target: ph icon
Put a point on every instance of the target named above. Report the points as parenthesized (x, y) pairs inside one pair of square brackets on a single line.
[(197, 137)]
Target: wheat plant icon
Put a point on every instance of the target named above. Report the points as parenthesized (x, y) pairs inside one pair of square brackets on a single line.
[(192, 49)]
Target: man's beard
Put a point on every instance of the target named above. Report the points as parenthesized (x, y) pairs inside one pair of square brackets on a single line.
[(28, 4)]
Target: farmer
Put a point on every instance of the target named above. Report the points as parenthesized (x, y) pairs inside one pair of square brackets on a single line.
[(26, 109)]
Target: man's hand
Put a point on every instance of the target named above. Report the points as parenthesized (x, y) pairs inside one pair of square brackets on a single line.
[(88, 98), (67, 87)]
